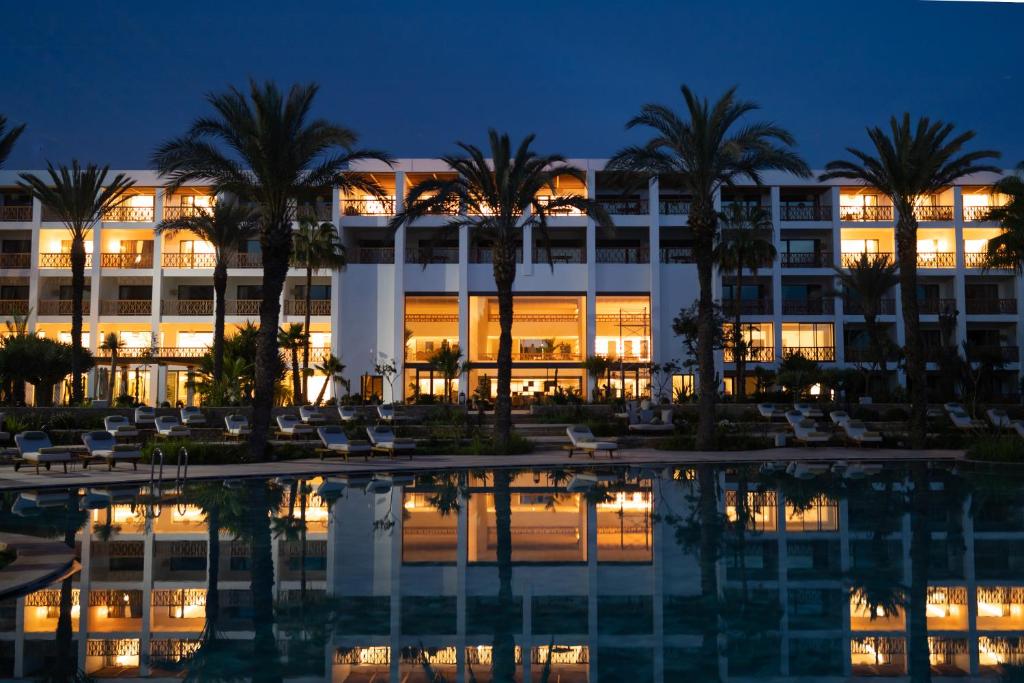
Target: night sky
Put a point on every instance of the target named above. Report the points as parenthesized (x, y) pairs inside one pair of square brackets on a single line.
[(107, 82)]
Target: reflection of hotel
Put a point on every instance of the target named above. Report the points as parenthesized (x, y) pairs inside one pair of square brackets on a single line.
[(607, 292)]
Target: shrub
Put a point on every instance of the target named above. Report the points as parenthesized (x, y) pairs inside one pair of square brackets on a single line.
[(895, 415), (997, 449)]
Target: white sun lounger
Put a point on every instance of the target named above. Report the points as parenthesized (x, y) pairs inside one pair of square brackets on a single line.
[(770, 410), (953, 407), (119, 427), (311, 415), (167, 426), (145, 416), (347, 413), (290, 426), (806, 470), (236, 426), (858, 432), (384, 441), (103, 446), (386, 413), (962, 420), (794, 417), (807, 432), (808, 410), (839, 417), (582, 439), (191, 416), (998, 418), (336, 441), (35, 448)]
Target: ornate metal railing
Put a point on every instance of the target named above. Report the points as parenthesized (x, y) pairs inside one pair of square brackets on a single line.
[(538, 317), (126, 307), (431, 317), (755, 354), (14, 306), (558, 210), (747, 306), (992, 306), (316, 307), (16, 214), (850, 259), (16, 261), (560, 255), (806, 259), (172, 213), (432, 255), (865, 213), (808, 306), (130, 214), (933, 213), (368, 207), (187, 307), (677, 255), (554, 356), (886, 306), (674, 207), (60, 260), (319, 211), (976, 259), (977, 214), (863, 354), (801, 212), (185, 260), (821, 354), (936, 306), (486, 255), (623, 255), (936, 260), (61, 306), (242, 306), (126, 260), (624, 206), (375, 255)]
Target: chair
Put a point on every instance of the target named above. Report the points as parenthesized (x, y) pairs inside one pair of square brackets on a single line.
[(794, 417), (347, 414), (102, 445), (808, 410), (384, 441), (4, 436), (954, 407), (962, 420), (311, 415), (839, 417), (998, 418), (582, 439), (807, 432), (770, 410), (192, 417), (145, 416), (335, 440), (168, 427), (236, 426), (1018, 426), (857, 432), (290, 426), (386, 413), (36, 448), (120, 427)]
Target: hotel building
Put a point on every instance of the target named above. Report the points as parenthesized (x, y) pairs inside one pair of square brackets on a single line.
[(607, 292)]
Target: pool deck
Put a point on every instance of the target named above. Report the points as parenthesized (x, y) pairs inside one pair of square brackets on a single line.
[(26, 478)]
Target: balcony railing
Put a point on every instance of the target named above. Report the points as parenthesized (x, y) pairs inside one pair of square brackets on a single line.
[(560, 255), (553, 356), (800, 212), (936, 260), (247, 260), (126, 307), (933, 213), (172, 213), (808, 306), (159, 352), (936, 306), (60, 260), (806, 259), (185, 260), (1006, 354), (316, 307), (886, 306), (677, 255), (977, 214), (624, 206), (992, 306), (623, 255), (242, 306), (375, 255), (674, 207), (862, 354), (432, 255), (976, 259), (318, 212), (866, 213), (16, 214), (747, 306), (820, 354), (14, 306), (16, 261), (187, 307), (755, 354), (486, 255), (126, 260), (558, 210), (61, 306), (850, 259), (129, 214), (368, 207)]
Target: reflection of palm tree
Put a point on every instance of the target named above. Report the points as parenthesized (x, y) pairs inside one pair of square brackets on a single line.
[(708, 552), (504, 650), (920, 540), (876, 589)]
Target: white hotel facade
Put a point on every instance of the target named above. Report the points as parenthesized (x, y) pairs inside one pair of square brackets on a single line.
[(610, 292)]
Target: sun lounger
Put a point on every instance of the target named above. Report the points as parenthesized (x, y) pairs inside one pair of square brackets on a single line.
[(119, 427), (291, 426), (770, 410), (807, 432), (384, 441), (311, 415), (962, 420), (35, 448), (858, 432), (145, 416), (808, 410), (192, 417), (335, 441), (794, 417), (998, 418), (347, 414), (236, 426), (103, 446), (839, 417), (168, 427), (954, 407), (582, 439), (1018, 426), (386, 413)]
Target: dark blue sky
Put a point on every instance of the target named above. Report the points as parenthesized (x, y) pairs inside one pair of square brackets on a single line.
[(107, 81)]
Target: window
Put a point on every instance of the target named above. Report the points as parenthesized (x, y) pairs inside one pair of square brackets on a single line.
[(11, 292), (134, 292), (64, 293), (249, 292), (195, 292), (748, 293), (799, 246), (15, 246), (316, 292)]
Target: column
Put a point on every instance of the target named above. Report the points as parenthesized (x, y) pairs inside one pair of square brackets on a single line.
[(592, 585), (960, 277), (588, 347), (461, 561), (654, 270), (464, 239), (776, 213), (33, 274), (95, 282), (158, 292), (398, 344)]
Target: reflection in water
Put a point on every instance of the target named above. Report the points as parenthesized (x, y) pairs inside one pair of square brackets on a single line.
[(710, 573)]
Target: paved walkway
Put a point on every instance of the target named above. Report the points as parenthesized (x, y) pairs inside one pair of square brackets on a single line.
[(28, 479), (40, 561)]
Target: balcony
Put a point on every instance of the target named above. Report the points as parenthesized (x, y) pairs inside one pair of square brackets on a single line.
[(319, 211), (162, 353), (187, 307), (886, 306), (368, 207), (316, 307), (625, 206), (977, 214), (933, 213), (983, 352), (533, 356), (677, 255), (797, 212), (183, 260), (14, 307), (936, 306), (16, 261), (242, 306), (558, 210), (936, 260), (16, 214), (560, 255), (806, 259), (486, 255), (865, 214), (61, 260), (173, 213), (623, 255), (374, 255), (674, 207), (976, 259), (863, 354), (808, 306), (126, 307), (850, 259), (127, 261), (819, 354), (747, 306), (755, 354), (432, 255), (62, 306), (130, 214), (992, 306)]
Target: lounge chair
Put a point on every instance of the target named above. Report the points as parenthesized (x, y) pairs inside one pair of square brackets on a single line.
[(384, 441), (191, 416), (311, 415), (347, 414), (770, 410), (120, 427), (4, 436), (807, 432), (808, 410), (168, 427), (954, 407), (794, 417), (145, 416), (236, 426), (998, 418), (386, 413), (103, 446), (335, 440), (839, 417), (962, 420), (582, 439), (857, 432), (290, 426), (36, 449), (1018, 426)]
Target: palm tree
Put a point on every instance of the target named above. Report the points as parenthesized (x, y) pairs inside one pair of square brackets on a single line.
[(317, 246), (228, 228), (445, 360), (291, 339), (265, 149), (597, 367), (331, 369), (910, 163), (745, 243), (1007, 249), (8, 138), (869, 279), (499, 199), (79, 197), (113, 344), (702, 151)]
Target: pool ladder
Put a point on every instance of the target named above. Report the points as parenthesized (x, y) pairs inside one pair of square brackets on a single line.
[(156, 479)]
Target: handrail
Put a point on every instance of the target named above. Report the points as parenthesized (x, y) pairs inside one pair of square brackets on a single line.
[(180, 477)]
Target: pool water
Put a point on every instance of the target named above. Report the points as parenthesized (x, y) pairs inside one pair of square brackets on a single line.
[(745, 572)]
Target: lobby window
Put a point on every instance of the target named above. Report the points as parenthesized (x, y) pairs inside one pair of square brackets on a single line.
[(430, 321), (623, 328), (544, 328), (760, 342), (814, 341)]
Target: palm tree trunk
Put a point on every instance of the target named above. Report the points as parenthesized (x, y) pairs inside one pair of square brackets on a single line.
[(302, 541), (504, 275), (77, 295), (739, 347), (296, 377), (265, 667), (305, 328), (920, 540), (276, 253), (504, 644), (323, 389), (705, 346), (906, 243), (874, 336), (220, 288), (112, 380), (707, 508)]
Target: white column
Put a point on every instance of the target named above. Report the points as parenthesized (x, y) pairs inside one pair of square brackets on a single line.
[(960, 276), (592, 589), (461, 561), (464, 239), (589, 347), (147, 598), (776, 213), (96, 285), (336, 276), (658, 354), (33, 274), (398, 325), (158, 290)]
